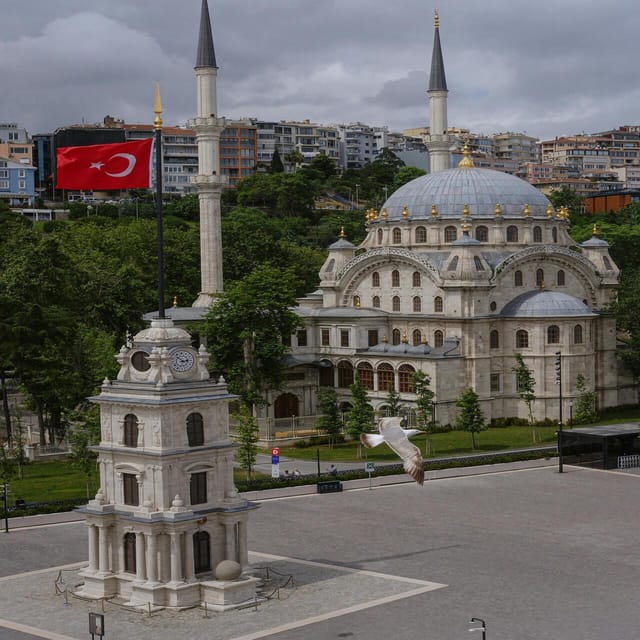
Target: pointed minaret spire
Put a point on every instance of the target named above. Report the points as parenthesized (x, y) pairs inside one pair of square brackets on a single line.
[(439, 141), (437, 79), (209, 181), (206, 52)]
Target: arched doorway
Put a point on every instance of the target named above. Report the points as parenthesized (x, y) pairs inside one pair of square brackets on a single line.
[(286, 406)]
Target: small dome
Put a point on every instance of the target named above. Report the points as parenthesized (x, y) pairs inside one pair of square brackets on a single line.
[(342, 243), (541, 304), (162, 332), (481, 189)]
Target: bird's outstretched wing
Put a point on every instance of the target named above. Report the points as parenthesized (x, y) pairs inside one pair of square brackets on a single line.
[(396, 438), (371, 439)]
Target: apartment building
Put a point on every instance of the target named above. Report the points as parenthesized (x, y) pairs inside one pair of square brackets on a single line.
[(238, 150), (17, 183), (15, 144)]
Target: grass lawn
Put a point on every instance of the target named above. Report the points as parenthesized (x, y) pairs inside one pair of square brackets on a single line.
[(442, 445)]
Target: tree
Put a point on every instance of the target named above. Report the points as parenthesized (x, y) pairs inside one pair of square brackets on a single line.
[(294, 158), (406, 174), (84, 433), (567, 197), (276, 165), (325, 165), (360, 417), (248, 435), (584, 410), (470, 416), (245, 330), (329, 420), (393, 404), (526, 385), (421, 383)]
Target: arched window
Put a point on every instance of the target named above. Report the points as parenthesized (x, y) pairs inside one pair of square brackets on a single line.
[(522, 339), (493, 306), (416, 337), (130, 430), (129, 552), (404, 378), (397, 236), (375, 279), (437, 304), (482, 234), (395, 303), (395, 278), (554, 234), (478, 263), (577, 334), (512, 233), (453, 265), (345, 374), (331, 264), (553, 334), (537, 234), (376, 302), (195, 430), (607, 263), (326, 377), (438, 338), (421, 234), (450, 234), (416, 280), (201, 552), (417, 304), (494, 340), (539, 277), (560, 278), (517, 279), (385, 377), (365, 373), (395, 336), (379, 236)]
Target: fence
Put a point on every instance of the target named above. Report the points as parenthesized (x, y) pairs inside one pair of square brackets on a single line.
[(628, 461)]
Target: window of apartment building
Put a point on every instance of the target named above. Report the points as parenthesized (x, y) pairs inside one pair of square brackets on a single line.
[(344, 337), (22, 173), (4, 173), (301, 337), (195, 430), (324, 337), (130, 438), (372, 337), (494, 382), (198, 487), (130, 489)]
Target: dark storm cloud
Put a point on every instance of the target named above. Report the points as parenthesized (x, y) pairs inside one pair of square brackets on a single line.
[(548, 67)]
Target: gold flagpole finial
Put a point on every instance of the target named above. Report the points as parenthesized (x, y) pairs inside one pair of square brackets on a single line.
[(436, 19), (157, 108)]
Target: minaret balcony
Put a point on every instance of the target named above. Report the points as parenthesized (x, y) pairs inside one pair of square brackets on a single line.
[(208, 124)]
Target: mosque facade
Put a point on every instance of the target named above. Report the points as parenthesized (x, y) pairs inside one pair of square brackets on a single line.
[(460, 270)]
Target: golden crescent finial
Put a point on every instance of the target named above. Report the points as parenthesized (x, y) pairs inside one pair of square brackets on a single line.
[(405, 212), (525, 211), (157, 108), (498, 210), (385, 213), (549, 211), (434, 211), (466, 162), (595, 229), (465, 211), (342, 232)]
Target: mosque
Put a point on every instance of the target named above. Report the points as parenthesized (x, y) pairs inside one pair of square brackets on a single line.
[(460, 270)]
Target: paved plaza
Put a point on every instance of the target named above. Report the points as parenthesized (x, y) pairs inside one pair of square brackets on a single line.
[(534, 553)]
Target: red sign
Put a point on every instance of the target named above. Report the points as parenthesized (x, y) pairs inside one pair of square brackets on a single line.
[(275, 451)]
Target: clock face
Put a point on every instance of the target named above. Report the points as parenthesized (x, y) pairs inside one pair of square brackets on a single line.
[(182, 360), (140, 361)]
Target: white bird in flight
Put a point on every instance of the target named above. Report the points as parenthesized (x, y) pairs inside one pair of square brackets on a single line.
[(397, 439)]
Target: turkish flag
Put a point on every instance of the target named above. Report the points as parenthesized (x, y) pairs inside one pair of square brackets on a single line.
[(103, 167)]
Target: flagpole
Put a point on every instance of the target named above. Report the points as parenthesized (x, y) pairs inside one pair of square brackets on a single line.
[(157, 122)]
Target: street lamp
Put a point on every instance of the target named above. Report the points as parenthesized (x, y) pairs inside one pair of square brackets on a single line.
[(559, 383), (483, 628)]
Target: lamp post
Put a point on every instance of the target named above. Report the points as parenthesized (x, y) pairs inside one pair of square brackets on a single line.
[(483, 628), (571, 415), (559, 383)]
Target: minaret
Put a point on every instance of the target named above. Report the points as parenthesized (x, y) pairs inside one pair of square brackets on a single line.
[(439, 141), (208, 127)]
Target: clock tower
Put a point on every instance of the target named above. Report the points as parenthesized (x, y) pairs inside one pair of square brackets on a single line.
[(167, 511)]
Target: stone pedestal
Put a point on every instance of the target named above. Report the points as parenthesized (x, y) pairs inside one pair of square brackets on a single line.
[(222, 595), (97, 585)]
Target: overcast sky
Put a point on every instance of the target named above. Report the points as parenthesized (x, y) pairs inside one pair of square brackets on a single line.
[(549, 67)]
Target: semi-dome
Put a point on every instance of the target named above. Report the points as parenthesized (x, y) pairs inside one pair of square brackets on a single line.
[(542, 304), (481, 189)]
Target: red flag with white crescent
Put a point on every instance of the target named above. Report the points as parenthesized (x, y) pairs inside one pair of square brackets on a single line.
[(104, 167)]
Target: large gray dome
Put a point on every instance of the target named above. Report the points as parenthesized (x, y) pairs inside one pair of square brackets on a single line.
[(481, 189), (542, 304)]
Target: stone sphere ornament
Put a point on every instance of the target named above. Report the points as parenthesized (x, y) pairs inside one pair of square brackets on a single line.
[(228, 570)]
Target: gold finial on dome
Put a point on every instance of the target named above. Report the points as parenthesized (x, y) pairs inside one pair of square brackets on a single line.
[(542, 284), (405, 340), (434, 211), (342, 234), (356, 302), (549, 211), (465, 227), (595, 229), (465, 211), (466, 162), (436, 19), (525, 211), (424, 340), (498, 210), (175, 302), (405, 212), (385, 214), (385, 339)]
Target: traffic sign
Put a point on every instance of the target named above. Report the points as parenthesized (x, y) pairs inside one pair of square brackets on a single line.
[(275, 470), (370, 467), (275, 451)]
